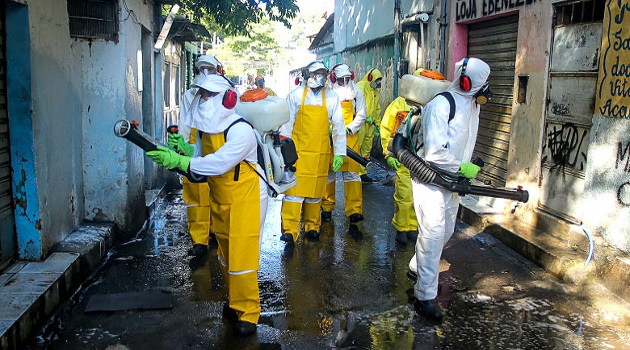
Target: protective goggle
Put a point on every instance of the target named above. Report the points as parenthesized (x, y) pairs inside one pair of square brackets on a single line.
[(484, 94)]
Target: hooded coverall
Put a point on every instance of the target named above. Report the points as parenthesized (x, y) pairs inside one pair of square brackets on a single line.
[(373, 110), (227, 154), (404, 216), (447, 145), (196, 195), (353, 112), (311, 116)]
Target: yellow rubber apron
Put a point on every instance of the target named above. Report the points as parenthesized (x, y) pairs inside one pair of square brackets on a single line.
[(310, 134), (352, 141), (235, 218), (197, 198)]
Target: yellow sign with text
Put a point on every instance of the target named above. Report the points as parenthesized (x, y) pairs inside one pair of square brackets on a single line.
[(613, 88)]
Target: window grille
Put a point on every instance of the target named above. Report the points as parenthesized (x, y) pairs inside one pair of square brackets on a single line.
[(93, 19), (579, 12)]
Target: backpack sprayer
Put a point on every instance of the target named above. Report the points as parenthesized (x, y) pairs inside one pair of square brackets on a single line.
[(130, 131), (408, 140)]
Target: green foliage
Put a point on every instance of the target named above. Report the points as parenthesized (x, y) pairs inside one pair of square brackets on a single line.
[(255, 53), (234, 17)]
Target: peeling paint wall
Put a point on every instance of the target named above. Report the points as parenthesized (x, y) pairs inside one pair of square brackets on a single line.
[(80, 89)]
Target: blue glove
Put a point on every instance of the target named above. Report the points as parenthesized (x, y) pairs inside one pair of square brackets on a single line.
[(177, 141), (337, 163), (469, 170), (169, 159)]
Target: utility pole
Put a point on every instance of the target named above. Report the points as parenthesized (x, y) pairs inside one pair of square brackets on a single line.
[(396, 44)]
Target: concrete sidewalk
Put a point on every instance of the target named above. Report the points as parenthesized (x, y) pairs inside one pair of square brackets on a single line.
[(31, 292)]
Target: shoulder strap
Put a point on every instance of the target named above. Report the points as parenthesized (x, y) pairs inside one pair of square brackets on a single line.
[(451, 101), (239, 120)]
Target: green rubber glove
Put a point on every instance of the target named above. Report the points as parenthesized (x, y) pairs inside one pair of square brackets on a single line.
[(177, 141), (469, 170), (393, 163), (337, 163), (169, 159), (348, 131), (377, 131), (369, 120)]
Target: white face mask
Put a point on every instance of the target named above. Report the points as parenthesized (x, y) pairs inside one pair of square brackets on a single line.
[(316, 81)]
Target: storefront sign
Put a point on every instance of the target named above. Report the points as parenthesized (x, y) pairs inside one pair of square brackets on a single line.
[(472, 9), (613, 89)]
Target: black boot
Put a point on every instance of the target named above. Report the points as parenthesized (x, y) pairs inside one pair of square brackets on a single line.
[(288, 238), (244, 328), (356, 217), (326, 216), (228, 313), (312, 235), (412, 275), (412, 236), (429, 309), (198, 250), (401, 237)]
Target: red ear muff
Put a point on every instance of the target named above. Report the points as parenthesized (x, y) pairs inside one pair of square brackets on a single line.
[(333, 77), (370, 76), (297, 80), (464, 80), (352, 76), (220, 70), (229, 99)]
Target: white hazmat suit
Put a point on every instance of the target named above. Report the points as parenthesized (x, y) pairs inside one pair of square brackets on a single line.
[(448, 145)]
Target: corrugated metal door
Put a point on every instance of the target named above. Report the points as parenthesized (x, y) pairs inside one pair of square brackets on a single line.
[(7, 223), (494, 41), (570, 106)]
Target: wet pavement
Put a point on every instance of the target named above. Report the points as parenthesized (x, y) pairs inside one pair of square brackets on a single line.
[(347, 291)]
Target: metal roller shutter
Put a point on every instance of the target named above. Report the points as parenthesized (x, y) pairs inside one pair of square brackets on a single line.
[(7, 228), (494, 41)]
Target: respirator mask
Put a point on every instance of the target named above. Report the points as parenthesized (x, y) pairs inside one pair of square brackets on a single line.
[(484, 94), (376, 84), (316, 81)]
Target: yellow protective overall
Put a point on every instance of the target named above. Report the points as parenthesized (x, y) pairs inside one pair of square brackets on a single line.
[(353, 190), (310, 134), (197, 198), (235, 218), (404, 214)]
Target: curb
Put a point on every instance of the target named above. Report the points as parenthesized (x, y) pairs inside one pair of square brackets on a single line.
[(31, 291), (563, 257)]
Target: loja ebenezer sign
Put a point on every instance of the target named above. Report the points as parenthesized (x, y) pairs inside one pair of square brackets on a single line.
[(472, 9)]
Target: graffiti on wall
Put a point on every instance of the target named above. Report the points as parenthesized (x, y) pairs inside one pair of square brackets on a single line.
[(613, 93), (565, 146), (623, 163), (473, 9)]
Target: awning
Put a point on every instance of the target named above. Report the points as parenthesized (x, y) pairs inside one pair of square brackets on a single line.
[(184, 30)]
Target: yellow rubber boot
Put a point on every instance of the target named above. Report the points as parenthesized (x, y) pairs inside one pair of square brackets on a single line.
[(366, 136), (312, 219), (328, 202), (290, 214), (243, 295), (404, 214), (353, 192)]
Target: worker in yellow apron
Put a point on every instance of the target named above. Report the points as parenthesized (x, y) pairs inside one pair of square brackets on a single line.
[(370, 86), (353, 111), (313, 109), (227, 154), (195, 195)]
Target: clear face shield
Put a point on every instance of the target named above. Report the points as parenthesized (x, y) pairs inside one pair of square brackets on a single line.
[(344, 81), (484, 94), (208, 70), (316, 79)]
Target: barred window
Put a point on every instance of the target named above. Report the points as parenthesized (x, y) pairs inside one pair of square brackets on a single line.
[(93, 19), (579, 12)]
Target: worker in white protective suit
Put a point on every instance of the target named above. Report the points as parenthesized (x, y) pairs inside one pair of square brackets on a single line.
[(354, 114), (195, 195), (313, 109), (226, 152), (449, 145)]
